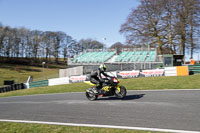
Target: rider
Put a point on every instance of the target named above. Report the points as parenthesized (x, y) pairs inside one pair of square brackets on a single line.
[(96, 77)]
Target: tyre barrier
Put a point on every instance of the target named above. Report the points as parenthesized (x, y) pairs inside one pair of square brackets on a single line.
[(9, 82), (12, 87)]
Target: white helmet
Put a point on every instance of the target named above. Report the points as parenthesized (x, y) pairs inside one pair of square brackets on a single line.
[(102, 67)]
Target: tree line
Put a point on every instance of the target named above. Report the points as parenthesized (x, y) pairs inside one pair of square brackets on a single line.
[(36, 44), (165, 24), (25, 43)]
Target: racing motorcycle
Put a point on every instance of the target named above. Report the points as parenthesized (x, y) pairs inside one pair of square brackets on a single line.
[(110, 87)]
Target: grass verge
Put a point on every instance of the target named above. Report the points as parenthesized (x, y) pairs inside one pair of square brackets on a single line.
[(151, 83), (8, 127), (20, 73), (180, 82)]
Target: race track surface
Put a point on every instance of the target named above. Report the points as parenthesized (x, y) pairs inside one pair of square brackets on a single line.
[(172, 109)]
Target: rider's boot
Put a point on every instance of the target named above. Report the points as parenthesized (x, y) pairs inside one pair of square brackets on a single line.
[(97, 89)]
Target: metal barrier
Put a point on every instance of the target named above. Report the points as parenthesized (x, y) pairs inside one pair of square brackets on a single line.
[(194, 69), (40, 83)]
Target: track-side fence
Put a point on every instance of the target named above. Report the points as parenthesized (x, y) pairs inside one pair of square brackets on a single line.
[(167, 71)]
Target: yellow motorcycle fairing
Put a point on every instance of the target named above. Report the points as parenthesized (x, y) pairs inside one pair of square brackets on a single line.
[(106, 88), (89, 83), (118, 87)]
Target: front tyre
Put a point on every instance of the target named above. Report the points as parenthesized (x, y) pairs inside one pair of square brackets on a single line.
[(122, 93), (90, 96)]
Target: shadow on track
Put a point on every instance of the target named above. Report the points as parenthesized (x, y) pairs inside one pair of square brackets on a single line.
[(128, 97)]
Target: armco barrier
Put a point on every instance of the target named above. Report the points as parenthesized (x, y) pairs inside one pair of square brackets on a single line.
[(12, 87), (40, 83), (194, 69)]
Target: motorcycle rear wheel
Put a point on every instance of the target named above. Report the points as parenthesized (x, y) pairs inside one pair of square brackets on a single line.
[(91, 96), (122, 92)]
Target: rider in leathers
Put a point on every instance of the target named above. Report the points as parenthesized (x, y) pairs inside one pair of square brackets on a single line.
[(96, 77)]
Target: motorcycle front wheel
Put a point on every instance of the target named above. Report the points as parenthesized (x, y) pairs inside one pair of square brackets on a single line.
[(90, 96), (120, 94)]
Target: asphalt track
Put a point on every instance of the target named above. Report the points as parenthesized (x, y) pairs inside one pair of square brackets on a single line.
[(170, 109)]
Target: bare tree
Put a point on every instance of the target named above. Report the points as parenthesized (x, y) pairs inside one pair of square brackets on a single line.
[(47, 41), (193, 24), (164, 24), (90, 44), (59, 40), (117, 45), (182, 15), (65, 46), (7, 41), (22, 42), (2, 35), (146, 25)]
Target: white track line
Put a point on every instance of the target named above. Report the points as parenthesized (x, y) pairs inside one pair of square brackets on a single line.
[(101, 126), (168, 90)]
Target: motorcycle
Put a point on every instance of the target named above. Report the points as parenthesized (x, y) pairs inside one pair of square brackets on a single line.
[(110, 87)]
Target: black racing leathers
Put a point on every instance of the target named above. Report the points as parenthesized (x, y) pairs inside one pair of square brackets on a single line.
[(96, 78)]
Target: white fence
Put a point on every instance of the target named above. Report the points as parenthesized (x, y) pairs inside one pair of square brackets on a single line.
[(168, 71), (59, 81)]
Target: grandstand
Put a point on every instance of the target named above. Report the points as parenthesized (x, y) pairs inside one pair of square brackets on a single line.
[(138, 56), (93, 57), (126, 59)]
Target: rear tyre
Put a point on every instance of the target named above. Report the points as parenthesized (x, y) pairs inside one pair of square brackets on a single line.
[(91, 96), (120, 94)]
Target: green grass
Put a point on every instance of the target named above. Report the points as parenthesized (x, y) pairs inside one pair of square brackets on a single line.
[(21, 73), (181, 82), (76, 87), (8, 127), (151, 83)]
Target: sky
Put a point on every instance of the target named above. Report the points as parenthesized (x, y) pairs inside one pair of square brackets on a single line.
[(81, 19)]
